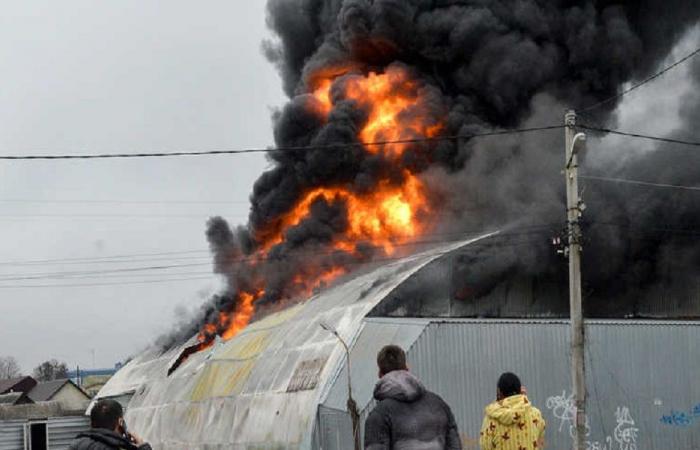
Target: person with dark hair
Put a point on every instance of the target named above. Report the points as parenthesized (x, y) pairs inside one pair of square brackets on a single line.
[(407, 415), (511, 422), (108, 430)]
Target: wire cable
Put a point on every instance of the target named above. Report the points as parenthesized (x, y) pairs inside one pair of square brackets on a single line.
[(640, 183), (641, 83), (278, 149), (640, 136), (257, 259), (121, 283), (91, 259), (354, 263), (127, 202)]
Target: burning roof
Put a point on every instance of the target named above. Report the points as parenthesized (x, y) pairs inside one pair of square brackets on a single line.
[(370, 81), (261, 387)]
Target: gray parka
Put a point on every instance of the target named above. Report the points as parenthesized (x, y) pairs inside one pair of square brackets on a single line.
[(409, 417)]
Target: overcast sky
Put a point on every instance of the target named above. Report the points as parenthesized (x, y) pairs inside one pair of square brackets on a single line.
[(129, 76)]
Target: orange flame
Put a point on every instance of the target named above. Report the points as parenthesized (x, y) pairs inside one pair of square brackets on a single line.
[(381, 218), (393, 213), (397, 110), (230, 323)]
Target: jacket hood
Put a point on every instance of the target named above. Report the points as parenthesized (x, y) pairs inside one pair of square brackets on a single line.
[(399, 385), (108, 437), (509, 410)]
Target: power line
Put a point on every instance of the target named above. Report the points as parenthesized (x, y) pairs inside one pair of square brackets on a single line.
[(278, 149), (640, 183), (121, 283), (116, 261), (640, 136), (353, 263), (126, 202), (641, 83), (40, 275), (256, 259), (90, 259), (542, 230), (114, 216)]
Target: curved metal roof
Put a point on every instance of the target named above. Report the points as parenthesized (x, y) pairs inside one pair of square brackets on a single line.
[(261, 388)]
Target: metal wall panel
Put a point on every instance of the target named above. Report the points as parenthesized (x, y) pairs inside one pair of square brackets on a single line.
[(12, 434), (335, 429), (62, 430), (375, 334), (642, 377)]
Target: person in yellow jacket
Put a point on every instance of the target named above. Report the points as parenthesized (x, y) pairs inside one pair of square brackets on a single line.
[(511, 422)]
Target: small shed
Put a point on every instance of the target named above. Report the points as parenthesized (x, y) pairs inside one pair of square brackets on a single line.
[(39, 426), (65, 392)]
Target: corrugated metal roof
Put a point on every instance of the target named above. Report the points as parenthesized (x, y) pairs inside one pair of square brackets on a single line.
[(238, 393)]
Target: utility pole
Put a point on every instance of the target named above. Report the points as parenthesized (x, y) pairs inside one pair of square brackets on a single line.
[(351, 404), (574, 208)]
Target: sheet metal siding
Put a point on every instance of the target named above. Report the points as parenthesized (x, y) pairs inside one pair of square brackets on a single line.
[(638, 375), (12, 435), (335, 429), (363, 354), (62, 430)]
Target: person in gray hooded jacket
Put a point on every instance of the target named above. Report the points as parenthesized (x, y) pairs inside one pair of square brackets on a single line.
[(407, 415)]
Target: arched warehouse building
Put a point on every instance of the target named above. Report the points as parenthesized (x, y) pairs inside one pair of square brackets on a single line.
[(281, 382)]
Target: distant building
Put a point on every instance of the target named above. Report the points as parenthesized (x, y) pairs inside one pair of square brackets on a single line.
[(41, 416), (19, 384), (92, 380), (64, 392)]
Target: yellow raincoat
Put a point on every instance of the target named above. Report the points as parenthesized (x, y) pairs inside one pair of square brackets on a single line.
[(512, 424)]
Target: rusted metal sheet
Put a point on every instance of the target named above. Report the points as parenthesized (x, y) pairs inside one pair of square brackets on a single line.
[(306, 375)]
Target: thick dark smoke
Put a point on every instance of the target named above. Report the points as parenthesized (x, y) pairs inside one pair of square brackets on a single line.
[(482, 65)]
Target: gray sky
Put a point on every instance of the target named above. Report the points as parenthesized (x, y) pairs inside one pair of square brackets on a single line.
[(135, 75), (132, 75)]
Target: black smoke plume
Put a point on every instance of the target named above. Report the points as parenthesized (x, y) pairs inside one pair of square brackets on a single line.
[(484, 65)]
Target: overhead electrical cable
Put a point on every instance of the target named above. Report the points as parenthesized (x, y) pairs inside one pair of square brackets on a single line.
[(90, 259), (641, 83), (121, 283), (278, 149), (353, 263), (640, 183), (125, 202), (458, 237), (640, 136)]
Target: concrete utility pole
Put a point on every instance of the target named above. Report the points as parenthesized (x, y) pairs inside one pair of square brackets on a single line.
[(574, 207)]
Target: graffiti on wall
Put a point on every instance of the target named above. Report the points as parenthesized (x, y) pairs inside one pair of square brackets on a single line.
[(625, 433), (682, 418)]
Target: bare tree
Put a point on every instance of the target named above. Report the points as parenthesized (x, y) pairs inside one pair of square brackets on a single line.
[(51, 370), (9, 367)]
